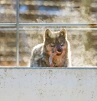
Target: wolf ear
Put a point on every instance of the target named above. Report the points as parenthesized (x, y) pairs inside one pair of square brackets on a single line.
[(47, 33), (63, 32)]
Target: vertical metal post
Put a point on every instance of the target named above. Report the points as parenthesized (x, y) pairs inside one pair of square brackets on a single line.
[(17, 32)]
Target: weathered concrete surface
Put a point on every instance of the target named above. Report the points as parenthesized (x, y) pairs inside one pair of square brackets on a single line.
[(48, 84)]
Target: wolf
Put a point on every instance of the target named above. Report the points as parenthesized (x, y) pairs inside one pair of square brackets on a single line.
[(53, 52)]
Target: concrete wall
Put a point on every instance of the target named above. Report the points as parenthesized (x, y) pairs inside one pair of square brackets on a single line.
[(48, 84)]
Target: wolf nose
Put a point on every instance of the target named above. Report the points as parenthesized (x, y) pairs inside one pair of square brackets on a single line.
[(59, 50)]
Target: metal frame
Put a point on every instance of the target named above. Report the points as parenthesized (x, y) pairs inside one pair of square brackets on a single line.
[(16, 26), (17, 32), (42, 24)]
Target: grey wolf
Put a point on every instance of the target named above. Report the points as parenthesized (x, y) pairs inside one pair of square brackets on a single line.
[(53, 52)]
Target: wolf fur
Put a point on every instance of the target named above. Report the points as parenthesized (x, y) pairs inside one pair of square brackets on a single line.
[(53, 52)]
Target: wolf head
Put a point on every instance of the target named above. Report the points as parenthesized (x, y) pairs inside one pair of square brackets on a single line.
[(55, 42), (56, 47)]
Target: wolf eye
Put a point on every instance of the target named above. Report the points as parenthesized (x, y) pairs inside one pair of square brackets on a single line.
[(52, 45)]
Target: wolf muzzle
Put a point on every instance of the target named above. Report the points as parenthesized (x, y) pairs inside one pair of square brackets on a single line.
[(59, 50)]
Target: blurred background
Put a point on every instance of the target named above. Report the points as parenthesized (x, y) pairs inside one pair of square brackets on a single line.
[(83, 39)]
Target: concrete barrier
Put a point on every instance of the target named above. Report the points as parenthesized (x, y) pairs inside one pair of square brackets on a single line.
[(48, 84)]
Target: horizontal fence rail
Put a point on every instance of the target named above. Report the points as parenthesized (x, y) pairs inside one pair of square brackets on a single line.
[(35, 29), (45, 24)]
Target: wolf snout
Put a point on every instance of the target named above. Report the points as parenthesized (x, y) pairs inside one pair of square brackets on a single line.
[(59, 51)]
